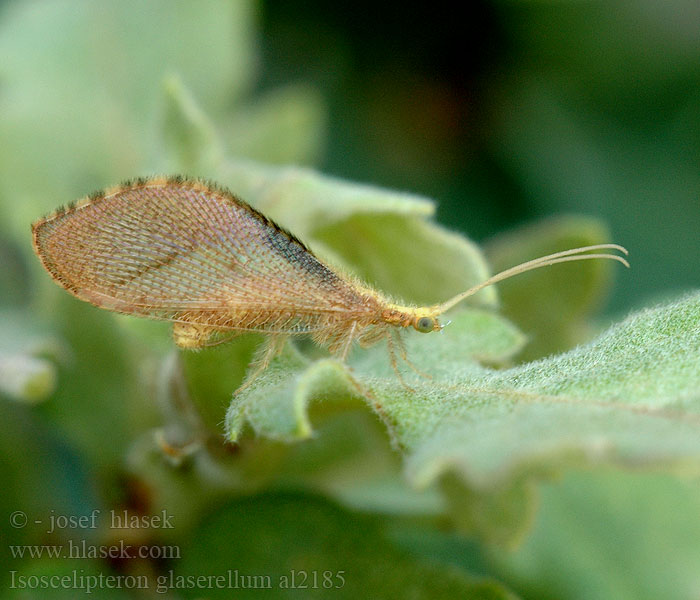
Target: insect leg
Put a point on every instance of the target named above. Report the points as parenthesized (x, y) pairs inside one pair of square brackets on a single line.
[(346, 344), (394, 363), (270, 348), (402, 352)]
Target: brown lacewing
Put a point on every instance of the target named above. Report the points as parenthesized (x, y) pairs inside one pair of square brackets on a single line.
[(192, 253)]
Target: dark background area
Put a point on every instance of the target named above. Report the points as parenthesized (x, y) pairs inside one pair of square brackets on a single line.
[(515, 111)]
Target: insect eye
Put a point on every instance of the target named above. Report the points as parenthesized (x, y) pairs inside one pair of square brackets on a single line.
[(425, 324)]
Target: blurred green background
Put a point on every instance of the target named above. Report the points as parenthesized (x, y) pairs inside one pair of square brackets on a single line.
[(516, 111), (513, 112)]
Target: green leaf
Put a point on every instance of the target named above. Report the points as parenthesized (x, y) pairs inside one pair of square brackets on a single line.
[(296, 546), (609, 534), (213, 372), (304, 200), (188, 134), (410, 258), (630, 397), (275, 405), (552, 306), (286, 125), (288, 420)]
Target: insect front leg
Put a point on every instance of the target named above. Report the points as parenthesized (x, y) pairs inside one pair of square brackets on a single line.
[(390, 340), (404, 355)]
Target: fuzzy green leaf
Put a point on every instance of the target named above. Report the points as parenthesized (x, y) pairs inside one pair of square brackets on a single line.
[(188, 133), (630, 397), (275, 405), (286, 126), (608, 534)]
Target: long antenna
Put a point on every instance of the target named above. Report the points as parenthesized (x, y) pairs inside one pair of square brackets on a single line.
[(543, 261)]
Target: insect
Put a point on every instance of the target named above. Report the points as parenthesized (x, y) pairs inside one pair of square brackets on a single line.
[(192, 253)]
